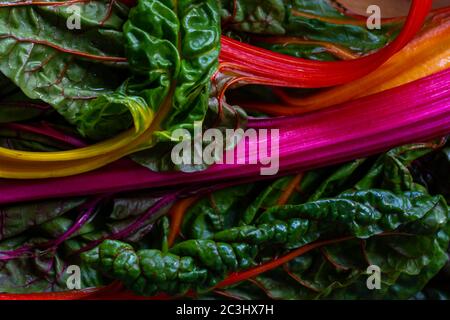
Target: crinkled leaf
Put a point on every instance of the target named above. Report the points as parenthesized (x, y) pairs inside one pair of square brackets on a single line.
[(363, 214), (75, 71)]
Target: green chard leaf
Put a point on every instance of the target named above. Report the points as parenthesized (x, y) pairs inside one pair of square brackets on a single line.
[(173, 49), (16, 219), (75, 70), (354, 37), (412, 219), (29, 141)]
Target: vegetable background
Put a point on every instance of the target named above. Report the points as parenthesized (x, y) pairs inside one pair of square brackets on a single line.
[(107, 98)]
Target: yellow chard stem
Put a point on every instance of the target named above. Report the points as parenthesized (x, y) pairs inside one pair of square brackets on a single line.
[(33, 165)]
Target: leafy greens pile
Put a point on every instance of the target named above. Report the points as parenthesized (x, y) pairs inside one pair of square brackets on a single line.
[(340, 219), (112, 92)]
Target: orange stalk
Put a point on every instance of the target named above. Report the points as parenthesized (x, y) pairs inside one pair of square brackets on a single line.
[(176, 215), (65, 295)]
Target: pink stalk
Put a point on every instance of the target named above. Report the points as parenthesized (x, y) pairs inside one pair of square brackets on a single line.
[(411, 113)]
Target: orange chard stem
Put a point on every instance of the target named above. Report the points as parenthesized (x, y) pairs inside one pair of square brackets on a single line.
[(290, 189), (251, 273), (176, 215)]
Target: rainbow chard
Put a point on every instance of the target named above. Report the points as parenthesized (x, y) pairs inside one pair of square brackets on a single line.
[(161, 56), (290, 238), (415, 112), (170, 58), (88, 114)]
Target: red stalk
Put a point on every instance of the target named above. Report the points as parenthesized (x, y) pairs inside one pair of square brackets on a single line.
[(65, 295)]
